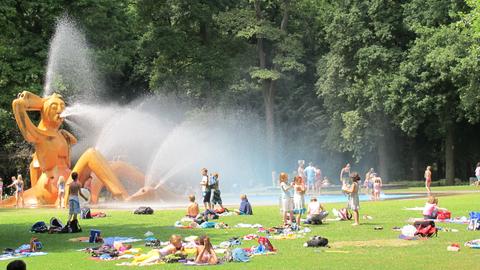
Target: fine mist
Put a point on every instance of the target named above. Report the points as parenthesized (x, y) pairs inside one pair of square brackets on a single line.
[(70, 69)]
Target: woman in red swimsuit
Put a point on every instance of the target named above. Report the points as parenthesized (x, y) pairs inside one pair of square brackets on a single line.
[(428, 178)]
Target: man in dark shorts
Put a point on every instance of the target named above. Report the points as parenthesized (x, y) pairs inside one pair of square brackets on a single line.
[(73, 201), (206, 190)]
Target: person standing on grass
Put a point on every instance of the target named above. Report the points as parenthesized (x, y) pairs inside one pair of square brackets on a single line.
[(216, 199), (428, 179), (73, 201), (299, 198), (206, 191), (353, 200), (287, 202), (19, 187)]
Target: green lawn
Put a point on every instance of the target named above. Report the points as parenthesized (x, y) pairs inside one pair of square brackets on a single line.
[(429, 254)]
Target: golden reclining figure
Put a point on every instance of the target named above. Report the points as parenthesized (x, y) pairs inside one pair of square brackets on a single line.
[(51, 158)]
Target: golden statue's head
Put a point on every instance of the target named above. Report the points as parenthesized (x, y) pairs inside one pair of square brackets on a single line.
[(52, 108)]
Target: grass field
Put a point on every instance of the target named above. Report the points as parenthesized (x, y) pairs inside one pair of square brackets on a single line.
[(377, 249)]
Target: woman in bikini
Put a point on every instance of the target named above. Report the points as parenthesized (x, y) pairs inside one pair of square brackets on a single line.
[(428, 179), (18, 183), (205, 252)]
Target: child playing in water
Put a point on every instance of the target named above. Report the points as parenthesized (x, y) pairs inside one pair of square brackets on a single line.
[(61, 191), (245, 207), (1, 188), (192, 210), (298, 197), (205, 252), (353, 200), (377, 188), (18, 183), (287, 202)]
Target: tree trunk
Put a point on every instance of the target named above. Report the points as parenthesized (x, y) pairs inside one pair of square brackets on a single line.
[(450, 154), (382, 152)]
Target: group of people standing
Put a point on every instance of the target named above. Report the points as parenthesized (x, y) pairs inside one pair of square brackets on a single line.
[(210, 190), (311, 175), (19, 185)]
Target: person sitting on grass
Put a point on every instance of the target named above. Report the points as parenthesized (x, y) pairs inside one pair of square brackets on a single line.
[(73, 202), (245, 207), (431, 208), (205, 252), (17, 265), (353, 201), (316, 212), (192, 210)]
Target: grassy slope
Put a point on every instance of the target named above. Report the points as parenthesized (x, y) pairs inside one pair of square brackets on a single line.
[(429, 254)]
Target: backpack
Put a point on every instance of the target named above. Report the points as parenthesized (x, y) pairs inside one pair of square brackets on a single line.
[(143, 210), (344, 214), (39, 227), (72, 227), (85, 213), (56, 225), (425, 228), (317, 241), (474, 224), (266, 243)]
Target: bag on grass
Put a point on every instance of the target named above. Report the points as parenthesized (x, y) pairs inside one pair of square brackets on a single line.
[(344, 214), (85, 213), (443, 214), (425, 228), (266, 243), (474, 224), (143, 210), (317, 241), (72, 227), (39, 227)]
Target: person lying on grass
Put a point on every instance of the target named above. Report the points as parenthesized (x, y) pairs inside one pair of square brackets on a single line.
[(205, 252), (174, 246)]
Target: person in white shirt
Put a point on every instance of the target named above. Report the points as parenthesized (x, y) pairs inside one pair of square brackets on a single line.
[(316, 212), (206, 191)]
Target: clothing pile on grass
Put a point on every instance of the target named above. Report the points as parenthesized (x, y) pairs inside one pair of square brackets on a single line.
[(26, 250), (201, 221)]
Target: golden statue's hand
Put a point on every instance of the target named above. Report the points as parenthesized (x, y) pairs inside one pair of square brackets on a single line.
[(30, 101)]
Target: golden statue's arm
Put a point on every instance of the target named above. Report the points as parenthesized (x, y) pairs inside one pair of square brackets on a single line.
[(27, 101)]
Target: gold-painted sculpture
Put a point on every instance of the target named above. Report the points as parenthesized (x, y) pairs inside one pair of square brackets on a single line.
[(52, 157)]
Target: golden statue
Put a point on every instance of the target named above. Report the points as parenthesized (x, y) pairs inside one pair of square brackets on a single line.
[(52, 157)]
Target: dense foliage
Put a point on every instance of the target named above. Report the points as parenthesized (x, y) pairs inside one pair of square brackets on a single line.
[(387, 84)]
